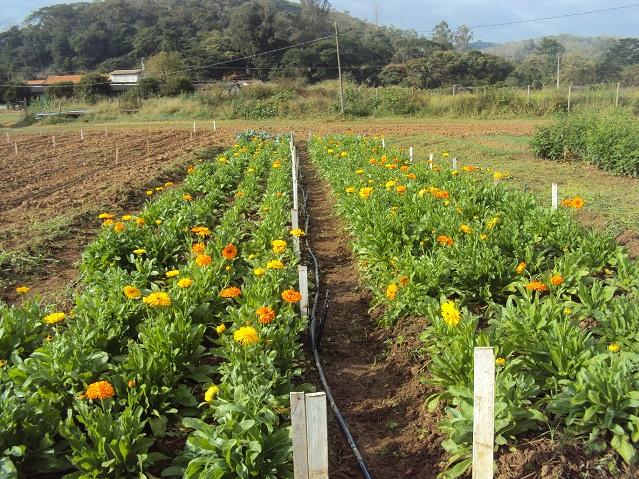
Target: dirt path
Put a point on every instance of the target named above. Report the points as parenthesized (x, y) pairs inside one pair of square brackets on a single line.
[(373, 378)]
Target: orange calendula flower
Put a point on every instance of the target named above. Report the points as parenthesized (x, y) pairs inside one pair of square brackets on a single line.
[(157, 299), (229, 251), (201, 231), (118, 227), (411, 176), (198, 248), (190, 169), (266, 314), (132, 292), (404, 168), (100, 390), (556, 279), (537, 286), (577, 202), (401, 189), (279, 246), (22, 289), (445, 240), (403, 280), (203, 260), (131, 383), (521, 267), (291, 296), (232, 292), (391, 291)]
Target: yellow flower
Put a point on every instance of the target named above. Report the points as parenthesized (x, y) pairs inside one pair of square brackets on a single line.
[(391, 291), (390, 184), (450, 313), (445, 240), (198, 248), (139, 251), (158, 222), (132, 292), (22, 289), (494, 221), (500, 361), (54, 318), (537, 286), (105, 216), (158, 299), (168, 183), (365, 192), (140, 221), (211, 393), (246, 335), (201, 231), (279, 246), (351, 189), (149, 192), (220, 329), (557, 279), (359, 172), (343, 154), (3, 363), (614, 347), (275, 264), (500, 175), (185, 282), (445, 154), (483, 236), (521, 267), (567, 311), (259, 272), (187, 197), (118, 227), (276, 164), (173, 273), (466, 229), (100, 390), (297, 232), (222, 160)]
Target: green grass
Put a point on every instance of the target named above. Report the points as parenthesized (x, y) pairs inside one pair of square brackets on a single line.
[(612, 201)]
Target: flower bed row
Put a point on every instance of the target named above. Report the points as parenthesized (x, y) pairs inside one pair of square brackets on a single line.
[(486, 266), (185, 325)]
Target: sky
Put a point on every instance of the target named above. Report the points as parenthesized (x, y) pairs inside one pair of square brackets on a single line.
[(423, 15)]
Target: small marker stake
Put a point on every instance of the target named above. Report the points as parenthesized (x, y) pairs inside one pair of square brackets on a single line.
[(383, 143), (214, 126), (16, 147), (454, 163), (430, 161), (105, 131), (148, 147), (53, 138), (483, 413), (193, 127), (117, 155), (410, 154), (82, 135), (555, 196), (303, 281), (8, 140)]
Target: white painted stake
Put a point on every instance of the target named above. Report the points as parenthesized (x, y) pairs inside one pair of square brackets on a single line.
[(8, 140), (430, 161), (295, 223), (410, 154), (555, 196), (298, 431), (53, 138), (16, 147), (317, 436), (193, 127), (214, 126), (617, 96), (105, 131), (483, 413), (383, 143), (454, 163), (569, 95), (302, 272), (82, 135)]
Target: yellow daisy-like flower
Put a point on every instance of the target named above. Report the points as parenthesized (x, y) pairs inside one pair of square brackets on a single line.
[(220, 329), (521, 267), (54, 318), (149, 192), (22, 289), (351, 189), (3, 363), (556, 280), (494, 221), (201, 231), (389, 184), (259, 272), (246, 335), (158, 299), (359, 172), (139, 251), (100, 390), (187, 197), (132, 292), (185, 282), (366, 192), (105, 216), (118, 227), (279, 246), (211, 393), (297, 232), (140, 221), (391, 291), (450, 313), (500, 361), (614, 347), (173, 273), (276, 164), (275, 264), (466, 229)]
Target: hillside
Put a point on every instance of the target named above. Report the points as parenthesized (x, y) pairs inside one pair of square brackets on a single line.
[(593, 48)]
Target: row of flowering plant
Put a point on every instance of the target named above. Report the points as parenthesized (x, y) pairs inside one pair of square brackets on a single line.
[(185, 320), (487, 265)]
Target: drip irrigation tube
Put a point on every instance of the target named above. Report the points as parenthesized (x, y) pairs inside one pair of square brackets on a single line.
[(315, 340)]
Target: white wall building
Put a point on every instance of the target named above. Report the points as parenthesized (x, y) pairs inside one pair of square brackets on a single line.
[(125, 76)]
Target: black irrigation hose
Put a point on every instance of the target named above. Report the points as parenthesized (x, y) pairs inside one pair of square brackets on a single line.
[(315, 340)]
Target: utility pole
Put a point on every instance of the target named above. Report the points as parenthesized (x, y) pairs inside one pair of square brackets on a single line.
[(339, 72), (558, 71)]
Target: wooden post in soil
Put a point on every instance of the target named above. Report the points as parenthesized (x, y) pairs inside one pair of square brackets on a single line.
[(8, 139), (554, 196), (483, 413), (105, 131), (430, 161), (617, 96), (298, 431), (383, 143), (53, 140), (148, 147), (310, 435), (295, 223), (117, 155), (82, 135), (454, 164), (214, 126), (302, 272), (410, 154), (15, 145), (569, 95)]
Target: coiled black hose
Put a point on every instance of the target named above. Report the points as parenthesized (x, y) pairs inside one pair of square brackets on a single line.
[(315, 340)]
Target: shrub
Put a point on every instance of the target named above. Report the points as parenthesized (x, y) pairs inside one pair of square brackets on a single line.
[(176, 85)]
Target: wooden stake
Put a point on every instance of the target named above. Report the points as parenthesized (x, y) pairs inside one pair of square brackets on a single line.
[(430, 161), (214, 126), (317, 435), (16, 147), (339, 72), (383, 143), (53, 138), (148, 147), (193, 127), (483, 413), (410, 154), (8, 140), (454, 163), (117, 155), (555, 196), (528, 96), (617, 95), (82, 135), (105, 131), (302, 272), (298, 431), (569, 95), (295, 223)]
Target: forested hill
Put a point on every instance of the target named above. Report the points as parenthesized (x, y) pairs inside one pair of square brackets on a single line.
[(116, 34)]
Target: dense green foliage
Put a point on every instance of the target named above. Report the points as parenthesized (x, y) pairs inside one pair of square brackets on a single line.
[(611, 143), (485, 265), (173, 366)]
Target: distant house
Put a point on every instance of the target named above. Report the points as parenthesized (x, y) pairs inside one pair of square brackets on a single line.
[(125, 76)]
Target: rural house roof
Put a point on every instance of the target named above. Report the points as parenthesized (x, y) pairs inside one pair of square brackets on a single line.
[(126, 72), (55, 79)]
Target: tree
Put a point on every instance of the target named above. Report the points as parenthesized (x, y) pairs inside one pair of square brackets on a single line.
[(92, 86), (629, 75), (578, 70), (442, 34), (165, 64), (623, 53), (315, 16), (176, 85), (549, 47), (462, 38)]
